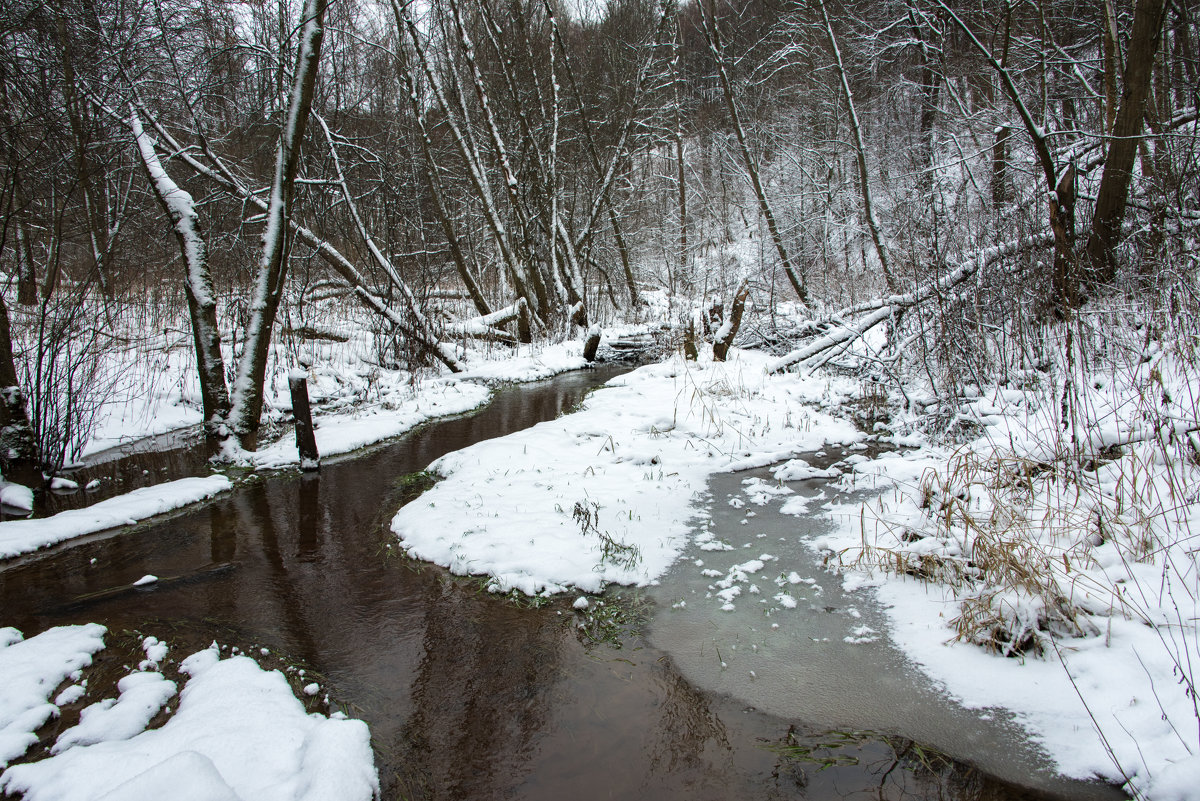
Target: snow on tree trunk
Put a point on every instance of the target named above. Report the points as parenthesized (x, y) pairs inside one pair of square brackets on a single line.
[(477, 177), (202, 305), (592, 345), (272, 264), (328, 253), (729, 329)]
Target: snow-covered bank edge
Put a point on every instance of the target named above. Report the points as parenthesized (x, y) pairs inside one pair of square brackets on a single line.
[(1052, 571), (391, 414), (607, 494), (236, 732), (19, 537)]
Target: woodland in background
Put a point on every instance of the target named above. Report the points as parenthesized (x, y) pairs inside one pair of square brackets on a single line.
[(967, 177)]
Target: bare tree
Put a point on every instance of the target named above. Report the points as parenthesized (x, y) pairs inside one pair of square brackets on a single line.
[(1126, 134), (712, 34)]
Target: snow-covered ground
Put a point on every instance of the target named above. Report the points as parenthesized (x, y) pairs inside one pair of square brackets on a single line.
[(1075, 592), (1065, 558), (607, 494), (236, 732), (1072, 580)]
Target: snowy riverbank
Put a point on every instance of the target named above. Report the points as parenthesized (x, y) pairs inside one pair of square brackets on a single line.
[(237, 731), (1071, 580), (1064, 621), (354, 408)]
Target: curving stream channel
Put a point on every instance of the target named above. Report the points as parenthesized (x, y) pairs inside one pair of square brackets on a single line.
[(470, 696)]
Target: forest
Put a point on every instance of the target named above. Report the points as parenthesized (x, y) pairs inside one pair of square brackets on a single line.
[(512, 170), (968, 227)]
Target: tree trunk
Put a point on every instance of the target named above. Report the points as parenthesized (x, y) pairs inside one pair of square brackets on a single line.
[(712, 34), (18, 451), (1126, 134), (197, 285), (272, 265), (1064, 283), (860, 154), (592, 345), (1000, 167), (729, 329)]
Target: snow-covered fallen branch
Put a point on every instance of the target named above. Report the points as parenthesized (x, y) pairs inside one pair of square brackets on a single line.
[(880, 309), (486, 326)]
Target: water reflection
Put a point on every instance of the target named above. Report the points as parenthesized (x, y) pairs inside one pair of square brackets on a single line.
[(484, 698)]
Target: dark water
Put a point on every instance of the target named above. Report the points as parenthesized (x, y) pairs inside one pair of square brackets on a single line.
[(124, 468), (467, 695)]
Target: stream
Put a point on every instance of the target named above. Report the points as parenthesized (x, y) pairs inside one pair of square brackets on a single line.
[(470, 696)]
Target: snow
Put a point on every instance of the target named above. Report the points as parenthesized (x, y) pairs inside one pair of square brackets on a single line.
[(1114, 543), (638, 453), (611, 494), (239, 733), (343, 433), (17, 496), (32, 670), (142, 696), (24, 536)]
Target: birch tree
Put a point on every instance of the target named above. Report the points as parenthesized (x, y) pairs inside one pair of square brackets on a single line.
[(180, 208)]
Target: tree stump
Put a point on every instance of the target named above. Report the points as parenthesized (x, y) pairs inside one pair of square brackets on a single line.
[(306, 440), (592, 344)]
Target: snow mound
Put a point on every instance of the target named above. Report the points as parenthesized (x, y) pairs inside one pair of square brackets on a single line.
[(23, 536), (239, 735), (33, 669)]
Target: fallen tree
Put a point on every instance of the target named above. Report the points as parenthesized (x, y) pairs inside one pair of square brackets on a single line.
[(842, 330)]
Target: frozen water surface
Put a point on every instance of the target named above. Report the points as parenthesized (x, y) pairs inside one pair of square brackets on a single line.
[(777, 631)]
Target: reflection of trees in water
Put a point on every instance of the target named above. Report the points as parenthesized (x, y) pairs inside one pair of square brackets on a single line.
[(222, 523), (687, 727), (853, 764), (309, 522), (264, 508), (482, 695)]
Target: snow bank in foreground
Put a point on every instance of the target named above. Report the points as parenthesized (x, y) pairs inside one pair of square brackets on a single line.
[(23, 536), (239, 734), (30, 671), (606, 494)]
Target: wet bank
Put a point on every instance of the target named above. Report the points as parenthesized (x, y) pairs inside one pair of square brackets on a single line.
[(468, 696)]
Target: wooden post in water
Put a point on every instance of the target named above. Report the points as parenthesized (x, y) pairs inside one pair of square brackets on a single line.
[(306, 440)]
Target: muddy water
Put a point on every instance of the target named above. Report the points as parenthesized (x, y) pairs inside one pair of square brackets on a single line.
[(467, 696)]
